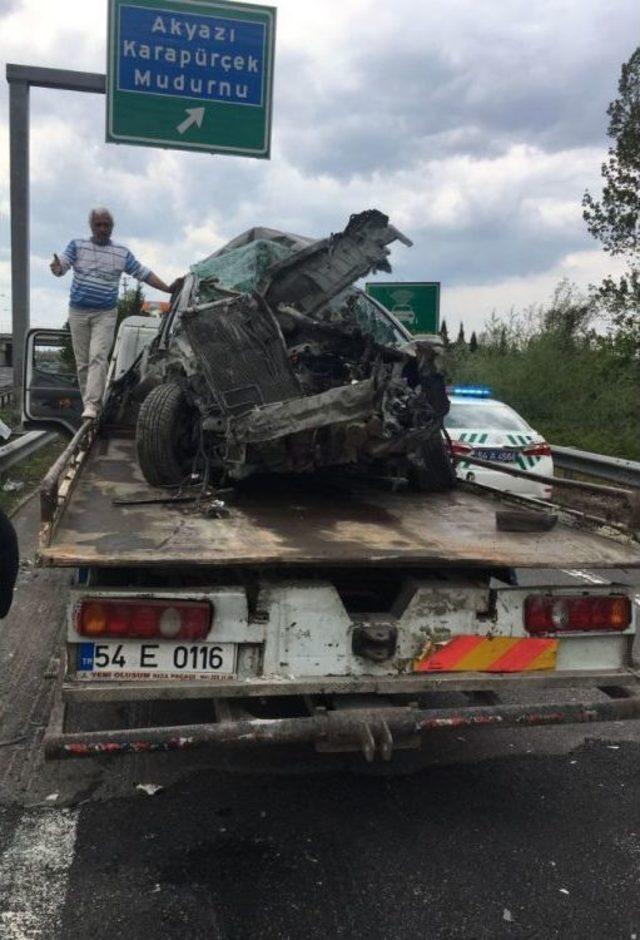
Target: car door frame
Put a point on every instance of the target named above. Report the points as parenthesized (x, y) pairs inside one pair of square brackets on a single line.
[(55, 422)]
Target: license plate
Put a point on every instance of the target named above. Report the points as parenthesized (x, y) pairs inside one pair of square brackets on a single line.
[(499, 456), (146, 659)]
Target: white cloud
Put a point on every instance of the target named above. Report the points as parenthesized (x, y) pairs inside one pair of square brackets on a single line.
[(473, 304), (477, 127), (45, 34)]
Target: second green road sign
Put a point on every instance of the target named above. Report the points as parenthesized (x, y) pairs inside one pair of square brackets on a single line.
[(191, 75), (415, 303)]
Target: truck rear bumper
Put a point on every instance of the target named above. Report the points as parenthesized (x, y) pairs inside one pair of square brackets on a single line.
[(375, 731)]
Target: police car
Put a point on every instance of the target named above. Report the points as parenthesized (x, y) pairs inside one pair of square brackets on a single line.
[(480, 426)]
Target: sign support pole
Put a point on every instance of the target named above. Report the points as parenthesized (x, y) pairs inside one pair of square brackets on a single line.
[(19, 196), (21, 78)]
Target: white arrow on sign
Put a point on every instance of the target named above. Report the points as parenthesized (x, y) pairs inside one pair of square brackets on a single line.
[(195, 116)]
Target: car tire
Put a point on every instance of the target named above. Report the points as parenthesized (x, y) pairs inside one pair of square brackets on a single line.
[(431, 469), (165, 439)]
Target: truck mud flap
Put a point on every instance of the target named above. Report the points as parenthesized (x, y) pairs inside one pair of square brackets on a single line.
[(373, 731)]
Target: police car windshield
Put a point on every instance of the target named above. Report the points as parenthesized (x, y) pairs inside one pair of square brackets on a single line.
[(487, 415)]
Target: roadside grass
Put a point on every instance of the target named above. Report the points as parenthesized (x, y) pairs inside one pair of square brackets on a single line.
[(30, 473)]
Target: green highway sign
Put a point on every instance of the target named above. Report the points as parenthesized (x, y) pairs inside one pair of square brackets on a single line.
[(415, 303), (191, 75)]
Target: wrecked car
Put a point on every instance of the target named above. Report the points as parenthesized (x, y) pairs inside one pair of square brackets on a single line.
[(271, 361)]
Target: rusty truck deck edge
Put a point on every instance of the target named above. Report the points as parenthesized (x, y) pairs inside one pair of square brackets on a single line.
[(283, 524)]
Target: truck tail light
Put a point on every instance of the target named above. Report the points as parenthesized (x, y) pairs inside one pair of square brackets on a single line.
[(166, 619), (458, 449), (544, 613), (538, 450)]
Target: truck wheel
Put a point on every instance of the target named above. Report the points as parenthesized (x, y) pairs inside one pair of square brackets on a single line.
[(430, 468), (166, 436)]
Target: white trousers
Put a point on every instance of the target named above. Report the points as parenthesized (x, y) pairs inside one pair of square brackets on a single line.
[(92, 337)]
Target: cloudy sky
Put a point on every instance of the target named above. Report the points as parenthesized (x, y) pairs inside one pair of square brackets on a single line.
[(475, 125)]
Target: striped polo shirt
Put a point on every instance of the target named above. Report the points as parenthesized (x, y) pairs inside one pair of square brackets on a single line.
[(96, 272)]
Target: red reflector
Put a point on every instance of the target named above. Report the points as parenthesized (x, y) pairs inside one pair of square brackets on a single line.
[(544, 613), (458, 449), (118, 620), (165, 619), (144, 621), (537, 450), (195, 623)]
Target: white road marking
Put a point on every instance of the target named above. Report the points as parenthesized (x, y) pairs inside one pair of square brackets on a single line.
[(34, 871)]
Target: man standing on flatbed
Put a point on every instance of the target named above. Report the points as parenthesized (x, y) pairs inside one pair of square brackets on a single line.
[(98, 264)]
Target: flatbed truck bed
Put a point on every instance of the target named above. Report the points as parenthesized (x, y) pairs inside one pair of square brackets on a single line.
[(294, 525)]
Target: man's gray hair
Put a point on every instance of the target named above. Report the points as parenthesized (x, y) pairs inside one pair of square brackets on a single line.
[(99, 210)]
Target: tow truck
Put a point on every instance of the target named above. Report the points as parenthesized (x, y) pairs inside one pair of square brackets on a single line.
[(340, 615)]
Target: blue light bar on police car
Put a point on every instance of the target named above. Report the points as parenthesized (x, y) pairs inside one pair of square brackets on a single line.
[(471, 391)]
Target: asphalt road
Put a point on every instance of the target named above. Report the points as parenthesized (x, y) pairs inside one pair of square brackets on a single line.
[(502, 834)]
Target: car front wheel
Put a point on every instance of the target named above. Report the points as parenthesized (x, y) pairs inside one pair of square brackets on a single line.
[(166, 436)]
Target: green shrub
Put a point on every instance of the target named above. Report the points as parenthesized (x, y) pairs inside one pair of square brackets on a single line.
[(576, 387)]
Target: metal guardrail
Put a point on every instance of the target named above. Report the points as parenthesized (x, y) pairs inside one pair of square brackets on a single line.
[(615, 469), (23, 447)]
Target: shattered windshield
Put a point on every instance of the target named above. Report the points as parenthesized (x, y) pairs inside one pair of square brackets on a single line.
[(373, 321), (314, 277), (240, 269), (355, 306)]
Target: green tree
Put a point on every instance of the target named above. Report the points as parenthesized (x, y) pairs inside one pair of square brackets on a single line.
[(461, 341), (66, 351), (569, 314), (614, 219), (130, 303), (473, 342), (495, 335), (444, 333)]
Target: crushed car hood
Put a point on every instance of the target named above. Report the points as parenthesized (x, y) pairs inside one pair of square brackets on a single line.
[(288, 367)]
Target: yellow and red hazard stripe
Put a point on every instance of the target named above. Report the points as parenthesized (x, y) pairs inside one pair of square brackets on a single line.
[(489, 654)]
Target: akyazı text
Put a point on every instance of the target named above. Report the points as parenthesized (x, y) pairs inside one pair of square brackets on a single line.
[(171, 26)]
